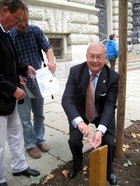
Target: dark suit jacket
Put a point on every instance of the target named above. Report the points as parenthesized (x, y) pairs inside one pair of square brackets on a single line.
[(9, 74), (74, 97)]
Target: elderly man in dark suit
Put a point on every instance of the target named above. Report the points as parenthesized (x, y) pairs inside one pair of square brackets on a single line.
[(11, 13), (106, 83)]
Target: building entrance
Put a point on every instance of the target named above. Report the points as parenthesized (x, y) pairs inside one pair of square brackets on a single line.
[(102, 15)]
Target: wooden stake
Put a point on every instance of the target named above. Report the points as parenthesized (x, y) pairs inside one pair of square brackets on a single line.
[(98, 166), (123, 8)]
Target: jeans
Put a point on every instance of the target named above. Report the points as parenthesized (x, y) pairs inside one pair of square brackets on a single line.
[(33, 132)]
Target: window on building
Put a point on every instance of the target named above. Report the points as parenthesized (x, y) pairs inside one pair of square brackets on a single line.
[(57, 45), (61, 51)]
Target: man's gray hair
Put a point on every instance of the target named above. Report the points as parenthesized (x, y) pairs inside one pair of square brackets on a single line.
[(96, 43)]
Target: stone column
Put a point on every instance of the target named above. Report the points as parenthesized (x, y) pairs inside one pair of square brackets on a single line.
[(115, 9), (109, 17)]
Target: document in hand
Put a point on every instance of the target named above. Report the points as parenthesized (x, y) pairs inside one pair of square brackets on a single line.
[(42, 85), (47, 83)]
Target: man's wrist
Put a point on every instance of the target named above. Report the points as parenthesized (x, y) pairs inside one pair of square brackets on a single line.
[(101, 128), (76, 121), (99, 131), (52, 62)]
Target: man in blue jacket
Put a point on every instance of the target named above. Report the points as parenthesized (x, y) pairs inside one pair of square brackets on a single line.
[(112, 50)]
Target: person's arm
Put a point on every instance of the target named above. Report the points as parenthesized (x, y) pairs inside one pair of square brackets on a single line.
[(69, 98), (19, 94), (116, 49), (8, 89), (44, 44), (107, 113), (69, 103), (31, 71), (26, 70), (82, 126), (50, 57)]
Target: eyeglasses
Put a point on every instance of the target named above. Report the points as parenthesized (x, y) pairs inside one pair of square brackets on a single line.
[(18, 19), (24, 20), (97, 57)]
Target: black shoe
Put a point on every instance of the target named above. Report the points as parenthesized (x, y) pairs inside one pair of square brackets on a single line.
[(112, 179), (3, 184), (28, 172), (72, 174)]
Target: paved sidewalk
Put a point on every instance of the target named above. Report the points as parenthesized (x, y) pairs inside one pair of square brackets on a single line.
[(57, 131)]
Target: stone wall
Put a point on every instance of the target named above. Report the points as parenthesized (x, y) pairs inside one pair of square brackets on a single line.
[(77, 21), (74, 20), (115, 8), (87, 2)]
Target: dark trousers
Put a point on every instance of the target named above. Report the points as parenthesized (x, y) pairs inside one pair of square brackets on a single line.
[(112, 63), (76, 146)]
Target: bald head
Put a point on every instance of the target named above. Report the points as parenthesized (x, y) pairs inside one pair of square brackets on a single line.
[(97, 45)]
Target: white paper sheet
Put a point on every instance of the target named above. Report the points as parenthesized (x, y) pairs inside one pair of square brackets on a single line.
[(47, 83)]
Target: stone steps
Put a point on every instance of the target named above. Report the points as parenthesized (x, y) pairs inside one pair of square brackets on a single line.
[(133, 61), (131, 57)]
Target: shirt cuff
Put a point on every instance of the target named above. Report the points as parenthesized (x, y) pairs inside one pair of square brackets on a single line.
[(76, 121), (102, 128)]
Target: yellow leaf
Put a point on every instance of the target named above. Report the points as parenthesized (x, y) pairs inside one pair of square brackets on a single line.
[(65, 173), (133, 135), (125, 146), (48, 177), (85, 168), (84, 173)]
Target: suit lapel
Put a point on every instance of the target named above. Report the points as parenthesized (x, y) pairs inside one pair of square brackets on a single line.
[(101, 84), (3, 37), (84, 79), (6, 41)]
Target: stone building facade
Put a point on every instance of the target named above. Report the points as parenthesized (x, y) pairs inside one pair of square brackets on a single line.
[(71, 25), (136, 22)]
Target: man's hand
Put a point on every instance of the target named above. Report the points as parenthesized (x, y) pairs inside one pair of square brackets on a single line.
[(31, 71), (52, 66), (84, 128), (97, 139), (19, 94), (23, 80)]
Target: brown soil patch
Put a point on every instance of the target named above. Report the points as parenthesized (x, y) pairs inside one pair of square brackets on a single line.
[(127, 167)]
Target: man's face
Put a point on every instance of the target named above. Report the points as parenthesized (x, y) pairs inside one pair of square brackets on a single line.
[(96, 58), (9, 19), (23, 24), (115, 38)]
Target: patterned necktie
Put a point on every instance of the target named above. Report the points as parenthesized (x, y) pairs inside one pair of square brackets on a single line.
[(90, 100)]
